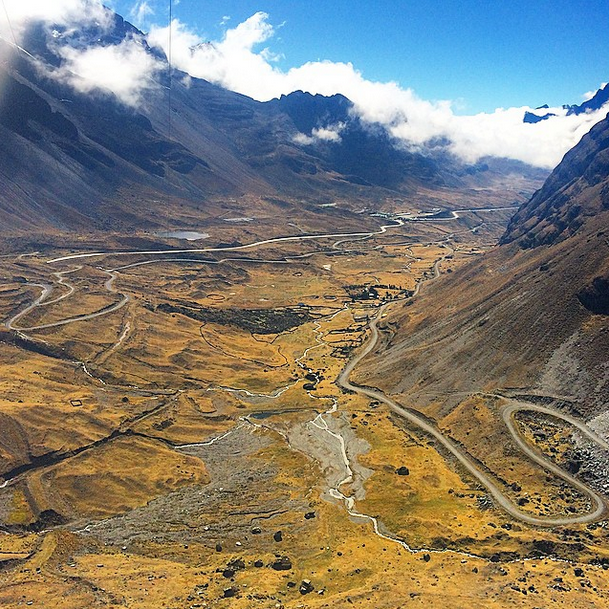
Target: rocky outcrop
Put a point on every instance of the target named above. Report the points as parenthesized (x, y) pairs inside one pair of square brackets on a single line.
[(282, 564), (595, 296), (532, 118)]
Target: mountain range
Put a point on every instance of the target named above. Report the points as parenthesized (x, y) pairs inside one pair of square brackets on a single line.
[(196, 424), (74, 160)]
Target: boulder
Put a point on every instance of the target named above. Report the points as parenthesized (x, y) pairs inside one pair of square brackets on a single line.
[(230, 592), (282, 564)]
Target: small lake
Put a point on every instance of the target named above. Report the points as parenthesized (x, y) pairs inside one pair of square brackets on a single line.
[(187, 235)]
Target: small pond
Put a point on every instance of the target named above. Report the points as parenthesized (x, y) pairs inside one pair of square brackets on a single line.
[(188, 235)]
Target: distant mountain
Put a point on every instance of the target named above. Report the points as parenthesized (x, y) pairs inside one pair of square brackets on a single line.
[(600, 98), (596, 102), (532, 118), (309, 112), (85, 160), (531, 316)]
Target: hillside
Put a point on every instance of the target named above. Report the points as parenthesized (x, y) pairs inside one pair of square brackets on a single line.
[(530, 317)]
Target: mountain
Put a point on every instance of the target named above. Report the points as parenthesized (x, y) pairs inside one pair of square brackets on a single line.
[(531, 317), (309, 112), (596, 102), (73, 159), (532, 118), (576, 190)]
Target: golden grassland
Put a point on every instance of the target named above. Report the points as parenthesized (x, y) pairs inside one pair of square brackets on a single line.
[(141, 517), (123, 474), (332, 551), (552, 436)]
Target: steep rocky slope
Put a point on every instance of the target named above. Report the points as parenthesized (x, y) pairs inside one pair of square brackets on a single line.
[(577, 190), (531, 316)]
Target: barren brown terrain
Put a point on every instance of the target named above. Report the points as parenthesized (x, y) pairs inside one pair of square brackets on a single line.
[(174, 435)]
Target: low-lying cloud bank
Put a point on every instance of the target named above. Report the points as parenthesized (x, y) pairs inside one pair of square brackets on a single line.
[(18, 14), (241, 62), (126, 69)]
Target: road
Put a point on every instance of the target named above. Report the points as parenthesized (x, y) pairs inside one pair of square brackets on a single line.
[(47, 289), (343, 380), (233, 248), (500, 498), (431, 217), (125, 298)]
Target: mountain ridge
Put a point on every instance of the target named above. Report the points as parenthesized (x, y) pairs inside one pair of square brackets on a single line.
[(596, 102), (100, 166), (549, 215)]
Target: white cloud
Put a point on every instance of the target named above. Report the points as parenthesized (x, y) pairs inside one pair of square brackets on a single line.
[(304, 139), (238, 63), (125, 69), (330, 133), (504, 134), (229, 62), (241, 62), (54, 12), (140, 12)]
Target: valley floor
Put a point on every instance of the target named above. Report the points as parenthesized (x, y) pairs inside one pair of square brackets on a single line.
[(180, 429)]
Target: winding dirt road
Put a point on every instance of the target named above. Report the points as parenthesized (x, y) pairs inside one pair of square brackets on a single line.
[(343, 379), (47, 289), (501, 499), (232, 248)]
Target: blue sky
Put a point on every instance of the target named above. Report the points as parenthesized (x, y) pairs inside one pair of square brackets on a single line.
[(481, 55)]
